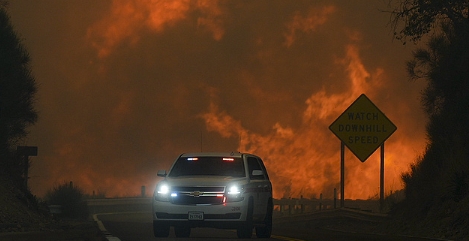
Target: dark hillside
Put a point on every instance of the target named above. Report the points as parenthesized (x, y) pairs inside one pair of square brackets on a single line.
[(437, 186), (23, 218), (19, 210)]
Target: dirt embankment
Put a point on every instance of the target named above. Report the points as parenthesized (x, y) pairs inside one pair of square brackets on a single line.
[(22, 217)]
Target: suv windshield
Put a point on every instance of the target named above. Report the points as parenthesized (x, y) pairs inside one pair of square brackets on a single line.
[(212, 166)]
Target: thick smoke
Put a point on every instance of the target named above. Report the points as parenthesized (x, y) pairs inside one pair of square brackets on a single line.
[(126, 86)]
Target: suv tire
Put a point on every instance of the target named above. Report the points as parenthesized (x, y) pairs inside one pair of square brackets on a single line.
[(245, 230), (266, 230)]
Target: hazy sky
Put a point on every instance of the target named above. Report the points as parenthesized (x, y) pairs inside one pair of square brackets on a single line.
[(125, 86)]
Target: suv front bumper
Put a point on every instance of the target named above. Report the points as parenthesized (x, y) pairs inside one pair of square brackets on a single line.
[(227, 215)]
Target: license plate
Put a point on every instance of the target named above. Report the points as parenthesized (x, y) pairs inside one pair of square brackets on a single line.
[(196, 216)]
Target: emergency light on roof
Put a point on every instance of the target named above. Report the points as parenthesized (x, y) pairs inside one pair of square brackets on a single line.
[(192, 159), (228, 159)]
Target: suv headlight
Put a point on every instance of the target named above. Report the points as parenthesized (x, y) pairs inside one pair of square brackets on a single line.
[(162, 192), (234, 190), (163, 189), (233, 193)]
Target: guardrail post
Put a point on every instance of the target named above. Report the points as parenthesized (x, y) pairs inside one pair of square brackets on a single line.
[(302, 204), (320, 202), (143, 191), (55, 209), (335, 198)]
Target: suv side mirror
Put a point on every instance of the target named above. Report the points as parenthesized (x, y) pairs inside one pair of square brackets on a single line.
[(257, 173), (161, 173)]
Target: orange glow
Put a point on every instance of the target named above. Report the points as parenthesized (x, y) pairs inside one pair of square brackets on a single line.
[(122, 23), (306, 161), (162, 13), (127, 21), (130, 84), (308, 23), (211, 17)]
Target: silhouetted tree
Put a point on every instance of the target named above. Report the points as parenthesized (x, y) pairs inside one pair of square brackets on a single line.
[(442, 173), (17, 90), (415, 18), (445, 66), (437, 186)]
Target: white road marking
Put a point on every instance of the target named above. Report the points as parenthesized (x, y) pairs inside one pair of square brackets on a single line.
[(103, 229)]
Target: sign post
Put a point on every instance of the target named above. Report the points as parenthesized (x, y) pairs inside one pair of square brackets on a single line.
[(362, 127), (381, 179), (342, 174), (26, 152)]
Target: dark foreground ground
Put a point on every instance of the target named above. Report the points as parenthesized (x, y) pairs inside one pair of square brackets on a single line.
[(22, 219), (343, 220), (65, 231)]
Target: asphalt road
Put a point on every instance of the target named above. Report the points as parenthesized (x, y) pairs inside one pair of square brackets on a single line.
[(137, 226)]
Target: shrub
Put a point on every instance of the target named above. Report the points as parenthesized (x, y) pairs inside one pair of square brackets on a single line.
[(70, 198)]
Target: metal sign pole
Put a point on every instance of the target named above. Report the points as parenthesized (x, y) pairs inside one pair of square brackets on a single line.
[(26, 152), (381, 180), (342, 176)]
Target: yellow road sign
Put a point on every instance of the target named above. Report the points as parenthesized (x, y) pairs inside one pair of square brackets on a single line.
[(362, 127)]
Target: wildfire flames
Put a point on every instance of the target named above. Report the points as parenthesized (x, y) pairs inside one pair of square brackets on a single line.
[(306, 161), (270, 98)]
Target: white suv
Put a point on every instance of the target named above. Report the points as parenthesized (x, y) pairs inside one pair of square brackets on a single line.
[(220, 190)]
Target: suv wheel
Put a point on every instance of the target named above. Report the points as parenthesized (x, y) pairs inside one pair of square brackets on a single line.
[(245, 230), (182, 231), (160, 230), (266, 230)]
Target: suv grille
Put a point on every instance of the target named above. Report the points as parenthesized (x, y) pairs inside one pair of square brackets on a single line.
[(198, 195)]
